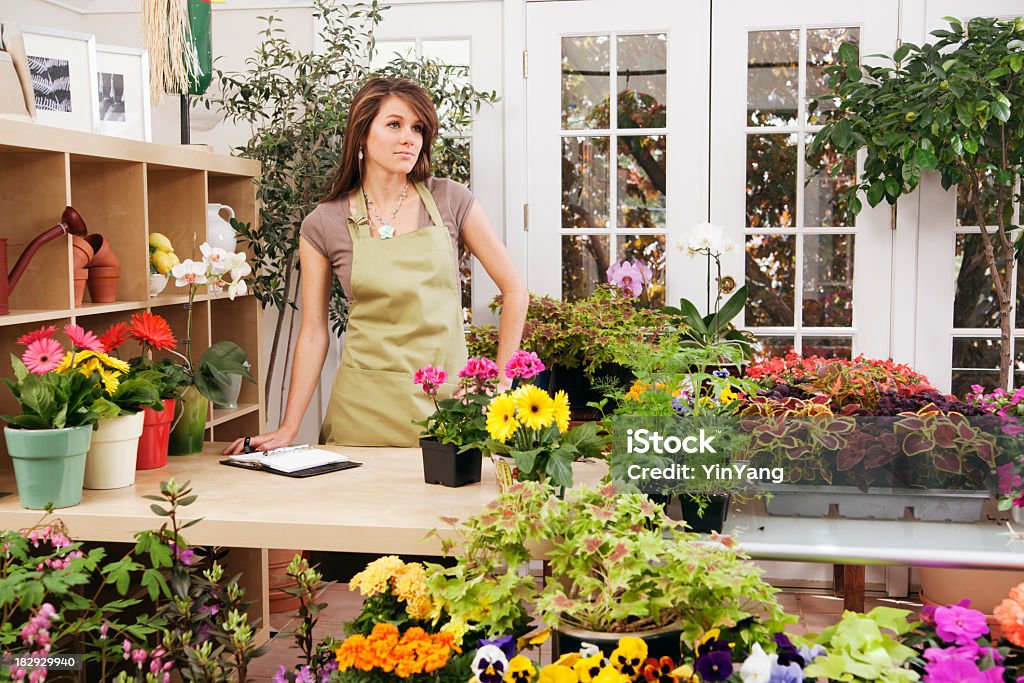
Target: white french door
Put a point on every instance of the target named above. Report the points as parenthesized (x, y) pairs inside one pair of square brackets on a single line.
[(617, 140), (815, 282)]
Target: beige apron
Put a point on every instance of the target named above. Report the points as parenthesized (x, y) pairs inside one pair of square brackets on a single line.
[(405, 313)]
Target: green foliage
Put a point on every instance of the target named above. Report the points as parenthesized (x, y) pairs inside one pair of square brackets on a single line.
[(955, 106), (459, 421), (860, 648), (617, 564), (216, 365), (576, 333), (715, 326), (55, 400)]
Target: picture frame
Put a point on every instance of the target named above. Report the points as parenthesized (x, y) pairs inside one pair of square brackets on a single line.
[(63, 68), (122, 91)]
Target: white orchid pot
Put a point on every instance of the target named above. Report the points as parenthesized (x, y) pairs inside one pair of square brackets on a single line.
[(110, 463)]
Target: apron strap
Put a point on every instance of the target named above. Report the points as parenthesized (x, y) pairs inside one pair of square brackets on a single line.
[(435, 215)]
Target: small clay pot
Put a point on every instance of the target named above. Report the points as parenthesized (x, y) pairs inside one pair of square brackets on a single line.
[(82, 252), (104, 256), (81, 275), (103, 284)]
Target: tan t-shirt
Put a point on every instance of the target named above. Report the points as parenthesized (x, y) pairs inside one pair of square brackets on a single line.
[(326, 227)]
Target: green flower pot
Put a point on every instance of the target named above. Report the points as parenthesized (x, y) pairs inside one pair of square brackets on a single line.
[(49, 464), (190, 423)]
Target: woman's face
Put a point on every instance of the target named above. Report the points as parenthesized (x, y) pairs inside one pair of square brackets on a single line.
[(395, 139)]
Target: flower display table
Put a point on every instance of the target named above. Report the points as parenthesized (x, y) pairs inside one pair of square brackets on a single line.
[(385, 507)]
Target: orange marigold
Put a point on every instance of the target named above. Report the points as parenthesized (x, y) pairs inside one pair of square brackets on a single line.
[(1010, 613)]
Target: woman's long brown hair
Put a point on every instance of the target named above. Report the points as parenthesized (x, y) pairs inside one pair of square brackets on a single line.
[(365, 107)]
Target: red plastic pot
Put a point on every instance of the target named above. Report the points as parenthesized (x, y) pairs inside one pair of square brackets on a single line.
[(156, 430)]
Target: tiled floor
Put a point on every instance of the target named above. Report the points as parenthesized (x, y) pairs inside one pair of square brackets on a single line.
[(816, 612)]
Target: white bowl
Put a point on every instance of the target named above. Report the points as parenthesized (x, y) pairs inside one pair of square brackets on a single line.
[(157, 282)]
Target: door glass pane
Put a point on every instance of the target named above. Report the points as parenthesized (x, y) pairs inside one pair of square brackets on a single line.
[(386, 50), (774, 346), (772, 77), (827, 347), (649, 249), (771, 180), (584, 182), (974, 302), (828, 280), (824, 205), (640, 80), (770, 274), (585, 261), (823, 50), (965, 213), (585, 71), (975, 361), (641, 181)]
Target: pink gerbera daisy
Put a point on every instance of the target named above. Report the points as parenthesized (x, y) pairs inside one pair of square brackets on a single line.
[(42, 355), (44, 332), (83, 340)]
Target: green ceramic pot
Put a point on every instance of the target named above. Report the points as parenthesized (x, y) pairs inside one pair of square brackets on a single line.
[(49, 464), (190, 423)]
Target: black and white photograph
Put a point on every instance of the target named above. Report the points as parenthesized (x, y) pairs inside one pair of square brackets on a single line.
[(51, 82), (63, 69), (122, 92), (111, 96)]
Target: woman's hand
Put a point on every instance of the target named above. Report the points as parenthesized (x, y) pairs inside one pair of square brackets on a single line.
[(261, 442)]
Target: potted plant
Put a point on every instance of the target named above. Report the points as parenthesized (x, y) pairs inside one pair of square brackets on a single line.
[(531, 427), (60, 394), (450, 434), (867, 647), (617, 566), (217, 270), (112, 456)]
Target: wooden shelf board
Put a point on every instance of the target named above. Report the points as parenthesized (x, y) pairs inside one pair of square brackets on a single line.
[(171, 299), (114, 307), (23, 316), (222, 415)]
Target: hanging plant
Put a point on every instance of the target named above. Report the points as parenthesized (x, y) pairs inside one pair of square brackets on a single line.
[(168, 38)]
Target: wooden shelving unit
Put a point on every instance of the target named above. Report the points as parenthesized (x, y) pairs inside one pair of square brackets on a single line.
[(124, 190)]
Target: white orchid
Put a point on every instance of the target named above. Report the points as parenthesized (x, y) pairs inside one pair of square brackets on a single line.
[(706, 236), (190, 272), (237, 285), (215, 258)]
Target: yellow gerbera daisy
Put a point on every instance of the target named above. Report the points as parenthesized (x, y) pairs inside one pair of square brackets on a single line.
[(501, 418), (561, 409), (535, 408), (113, 363)]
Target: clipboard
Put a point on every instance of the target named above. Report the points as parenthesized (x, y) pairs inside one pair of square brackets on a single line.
[(298, 474), (295, 461)]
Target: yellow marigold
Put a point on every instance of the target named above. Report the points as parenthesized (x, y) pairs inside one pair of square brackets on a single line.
[(501, 418), (408, 581), (561, 409), (350, 652), (420, 607), (635, 391), (377, 575), (534, 408)]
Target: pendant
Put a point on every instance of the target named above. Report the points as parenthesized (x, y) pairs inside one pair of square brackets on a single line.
[(386, 231)]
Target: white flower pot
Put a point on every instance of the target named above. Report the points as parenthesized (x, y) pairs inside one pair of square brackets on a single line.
[(110, 463)]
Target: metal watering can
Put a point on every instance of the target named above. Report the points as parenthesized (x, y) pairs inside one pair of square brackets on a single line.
[(70, 223)]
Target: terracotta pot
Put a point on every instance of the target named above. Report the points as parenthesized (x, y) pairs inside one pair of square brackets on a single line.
[(103, 283), (81, 275), (985, 587), (82, 252), (156, 432), (104, 256), (278, 579)]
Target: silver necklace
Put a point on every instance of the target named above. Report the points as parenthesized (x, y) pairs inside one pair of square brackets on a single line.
[(387, 229)]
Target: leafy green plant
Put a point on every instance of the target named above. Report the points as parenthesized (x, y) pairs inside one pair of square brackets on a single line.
[(54, 400), (714, 327), (216, 366), (296, 103), (864, 647), (955, 106), (944, 450)]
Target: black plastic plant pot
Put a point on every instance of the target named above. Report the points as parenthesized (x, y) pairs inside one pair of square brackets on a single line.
[(444, 465), (716, 510), (663, 642)]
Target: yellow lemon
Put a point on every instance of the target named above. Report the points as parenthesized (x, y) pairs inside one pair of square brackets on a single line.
[(163, 261), (160, 242)]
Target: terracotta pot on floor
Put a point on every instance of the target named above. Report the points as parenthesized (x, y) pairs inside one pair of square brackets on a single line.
[(103, 283), (277, 570), (985, 587)]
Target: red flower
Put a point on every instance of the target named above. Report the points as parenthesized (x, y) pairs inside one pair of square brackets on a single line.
[(152, 329), (42, 333), (115, 335)]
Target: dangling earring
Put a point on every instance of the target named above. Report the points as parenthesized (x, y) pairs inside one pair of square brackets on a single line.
[(360, 154)]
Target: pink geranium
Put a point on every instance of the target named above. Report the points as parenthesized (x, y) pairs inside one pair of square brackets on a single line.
[(431, 378), (479, 369), (524, 365), (83, 340), (43, 355)]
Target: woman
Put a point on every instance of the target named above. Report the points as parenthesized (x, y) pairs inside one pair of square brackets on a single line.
[(388, 230)]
